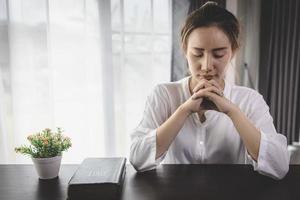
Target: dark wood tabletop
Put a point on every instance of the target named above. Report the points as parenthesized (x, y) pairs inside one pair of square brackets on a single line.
[(188, 182)]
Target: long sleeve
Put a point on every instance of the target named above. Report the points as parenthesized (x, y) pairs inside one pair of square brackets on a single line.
[(143, 138), (273, 158)]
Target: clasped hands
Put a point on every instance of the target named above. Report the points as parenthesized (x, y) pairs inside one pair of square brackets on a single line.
[(208, 90)]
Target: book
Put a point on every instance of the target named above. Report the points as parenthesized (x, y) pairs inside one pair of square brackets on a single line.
[(208, 105), (98, 178)]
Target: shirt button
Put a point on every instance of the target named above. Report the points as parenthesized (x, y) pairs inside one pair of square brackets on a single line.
[(201, 142)]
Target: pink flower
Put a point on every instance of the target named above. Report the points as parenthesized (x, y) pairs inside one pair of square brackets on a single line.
[(46, 142)]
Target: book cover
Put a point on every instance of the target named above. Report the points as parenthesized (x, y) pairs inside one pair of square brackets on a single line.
[(98, 178)]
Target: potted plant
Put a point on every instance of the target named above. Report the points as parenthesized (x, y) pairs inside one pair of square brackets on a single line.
[(45, 150)]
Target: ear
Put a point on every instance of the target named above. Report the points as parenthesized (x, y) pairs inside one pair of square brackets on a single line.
[(188, 72), (184, 50), (184, 53), (235, 51), (233, 54)]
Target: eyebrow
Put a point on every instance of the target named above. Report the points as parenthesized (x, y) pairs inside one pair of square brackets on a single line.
[(216, 49)]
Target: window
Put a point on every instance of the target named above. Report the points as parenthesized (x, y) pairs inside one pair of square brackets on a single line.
[(141, 34)]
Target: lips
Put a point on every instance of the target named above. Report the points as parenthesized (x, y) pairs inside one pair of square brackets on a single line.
[(205, 76), (208, 77)]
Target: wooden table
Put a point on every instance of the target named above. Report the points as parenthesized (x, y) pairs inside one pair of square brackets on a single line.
[(168, 182)]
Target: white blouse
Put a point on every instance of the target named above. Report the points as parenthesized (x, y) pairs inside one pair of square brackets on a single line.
[(216, 141)]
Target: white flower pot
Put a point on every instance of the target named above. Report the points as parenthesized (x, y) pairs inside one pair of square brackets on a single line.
[(47, 168)]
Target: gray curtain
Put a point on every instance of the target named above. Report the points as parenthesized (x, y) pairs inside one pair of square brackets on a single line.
[(279, 63), (181, 8)]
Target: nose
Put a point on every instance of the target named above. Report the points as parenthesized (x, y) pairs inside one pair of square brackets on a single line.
[(207, 63)]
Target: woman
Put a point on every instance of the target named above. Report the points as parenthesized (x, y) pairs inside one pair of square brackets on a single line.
[(204, 119)]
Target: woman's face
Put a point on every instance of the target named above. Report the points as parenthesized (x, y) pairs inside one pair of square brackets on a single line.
[(208, 53)]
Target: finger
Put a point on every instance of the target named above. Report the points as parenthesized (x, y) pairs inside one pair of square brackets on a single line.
[(211, 96), (202, 84), (215, 83), (213, 89)]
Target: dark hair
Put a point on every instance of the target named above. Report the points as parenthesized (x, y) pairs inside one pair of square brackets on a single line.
[(210, 14)]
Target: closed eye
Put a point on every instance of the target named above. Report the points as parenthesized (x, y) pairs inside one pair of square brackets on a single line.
[(219, 55), (198, 55)]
